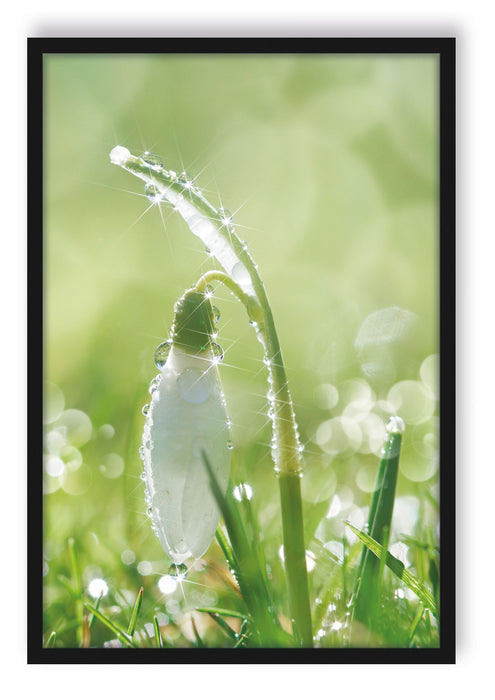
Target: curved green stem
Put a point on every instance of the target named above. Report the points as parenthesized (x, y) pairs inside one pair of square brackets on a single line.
[(217, 232), (289, 481)]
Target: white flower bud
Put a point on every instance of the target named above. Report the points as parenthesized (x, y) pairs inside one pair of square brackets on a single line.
[(187, 416)]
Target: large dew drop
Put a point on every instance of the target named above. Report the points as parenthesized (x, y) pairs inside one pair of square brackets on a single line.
[(177, 571), (161, 354), (120, 155)]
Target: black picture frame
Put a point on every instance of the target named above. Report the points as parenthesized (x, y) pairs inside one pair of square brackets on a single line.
[(37, 48)]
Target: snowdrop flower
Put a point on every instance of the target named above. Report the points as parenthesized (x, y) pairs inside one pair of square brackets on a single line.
[(186, 417)]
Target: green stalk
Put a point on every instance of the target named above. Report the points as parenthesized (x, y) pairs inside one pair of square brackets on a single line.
[(289, 471), (367, 590), (295, 555), (219, 235)]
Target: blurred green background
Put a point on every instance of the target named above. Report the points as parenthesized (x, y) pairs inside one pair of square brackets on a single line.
[(329, 163)]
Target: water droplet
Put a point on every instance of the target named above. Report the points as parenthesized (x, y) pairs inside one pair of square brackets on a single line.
[(154, 384), (161, 354), (141, 452), (230, 445), (186, 179), (152, 193), (216, 314), (172, 174), (142, 476), (149, 511), (152, 159), (218, 353), (146, 409), (177, 571), (119, 155), (395, 425), (225, 216)]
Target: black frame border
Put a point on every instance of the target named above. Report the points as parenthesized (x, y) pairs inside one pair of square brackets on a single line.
[(445, 48)]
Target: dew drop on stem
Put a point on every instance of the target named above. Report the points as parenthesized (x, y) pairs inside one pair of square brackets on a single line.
[(152, 193), (225, 216), (186, 180), (152, 159), (395, 425)]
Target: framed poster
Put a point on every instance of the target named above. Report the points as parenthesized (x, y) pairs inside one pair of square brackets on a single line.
[(244, 300)]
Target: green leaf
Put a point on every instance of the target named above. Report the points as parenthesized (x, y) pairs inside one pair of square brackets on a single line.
[(135, 612), (50, 642), (221, 622), (222, 611), (158, 634), (398, 568), (368, 581), (76, 569), (199, 641), (118, 631), (248, 573), (227, 550), (415, 623), (97, 605)]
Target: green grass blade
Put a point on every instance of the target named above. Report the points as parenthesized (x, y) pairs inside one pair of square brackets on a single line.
[(222, 611), (158, 634), (50, 642), (77, 587), (227, 550), (76, 569), (368, 581), (118, 631), (67, 584), (398, 568), (221, 623), (330, 567), (199, 642), (248, 574), (415, 623), (97, 605), (135, 613), (243, 635)]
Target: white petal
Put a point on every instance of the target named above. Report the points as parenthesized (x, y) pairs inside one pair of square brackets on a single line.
[(187, 416)]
